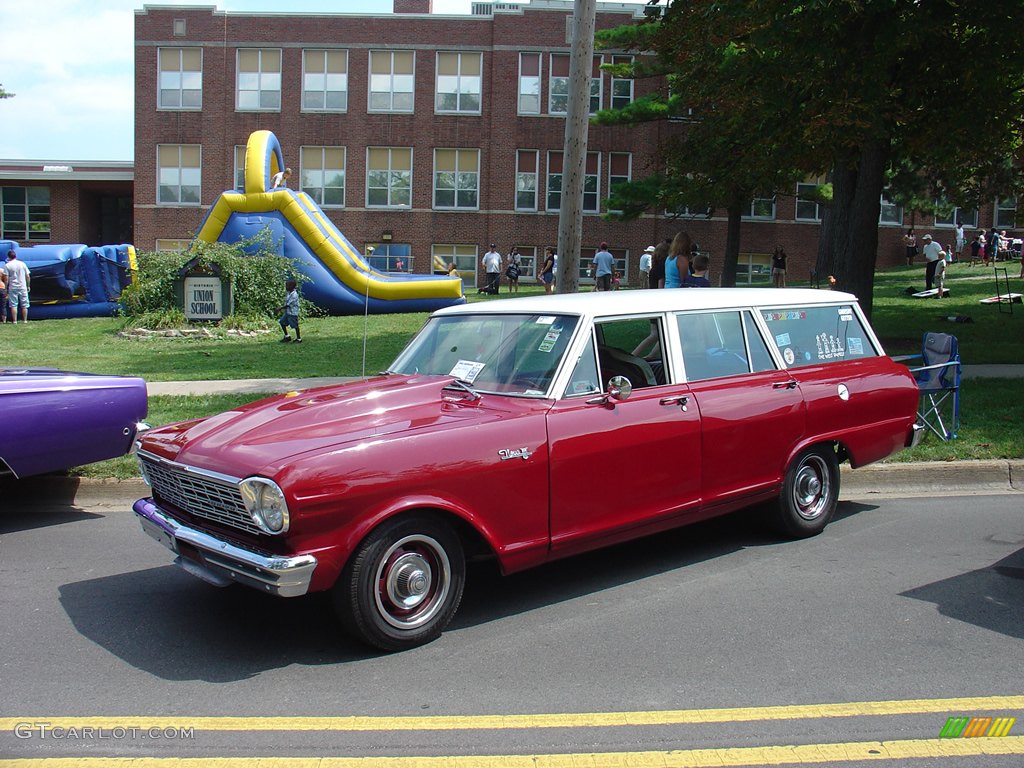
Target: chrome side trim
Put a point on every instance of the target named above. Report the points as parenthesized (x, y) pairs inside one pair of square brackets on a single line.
[(277, 575)]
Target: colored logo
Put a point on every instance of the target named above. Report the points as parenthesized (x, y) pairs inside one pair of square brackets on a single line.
[(975, 727)]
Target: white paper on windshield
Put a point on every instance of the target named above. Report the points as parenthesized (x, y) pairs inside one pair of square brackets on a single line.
[(546, 320), (467, 370)]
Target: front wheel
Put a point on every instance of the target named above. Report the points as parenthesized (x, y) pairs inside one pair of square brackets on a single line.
[(810, 493), (403, 584)]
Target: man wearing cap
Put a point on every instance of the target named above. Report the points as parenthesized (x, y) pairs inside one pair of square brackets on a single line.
[(492, 268), (645, 267), (932, 252), (604, 265)]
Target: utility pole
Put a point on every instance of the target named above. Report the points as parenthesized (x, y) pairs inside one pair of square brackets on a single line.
[(574, 154)]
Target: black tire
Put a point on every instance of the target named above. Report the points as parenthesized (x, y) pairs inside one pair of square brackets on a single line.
[(403, 583), (810, 493)]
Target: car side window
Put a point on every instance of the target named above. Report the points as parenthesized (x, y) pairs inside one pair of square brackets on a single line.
[(816, 335), (631, 347), (760, 357), (713, 345), (585, 379)]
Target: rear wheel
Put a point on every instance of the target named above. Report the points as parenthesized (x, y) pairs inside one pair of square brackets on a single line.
[(403, 584), (810, 493)]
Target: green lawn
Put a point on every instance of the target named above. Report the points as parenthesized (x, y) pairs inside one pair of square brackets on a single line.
[(992, 409)]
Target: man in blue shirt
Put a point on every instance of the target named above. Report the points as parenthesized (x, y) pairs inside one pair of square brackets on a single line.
[(604, 265)]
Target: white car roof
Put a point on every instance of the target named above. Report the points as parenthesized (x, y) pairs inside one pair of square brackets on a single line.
[(637, 302)]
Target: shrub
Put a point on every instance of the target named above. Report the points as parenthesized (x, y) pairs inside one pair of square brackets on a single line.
[(256, 271)]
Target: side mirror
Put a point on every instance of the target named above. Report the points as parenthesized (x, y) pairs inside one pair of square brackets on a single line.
[(619, 388)]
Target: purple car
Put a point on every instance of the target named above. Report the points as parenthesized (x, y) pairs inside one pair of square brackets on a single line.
[(52, 420)]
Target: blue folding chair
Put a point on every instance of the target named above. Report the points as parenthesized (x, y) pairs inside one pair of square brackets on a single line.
[(938, 381)]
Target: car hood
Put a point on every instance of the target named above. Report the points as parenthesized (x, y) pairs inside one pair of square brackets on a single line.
[(258, 437)]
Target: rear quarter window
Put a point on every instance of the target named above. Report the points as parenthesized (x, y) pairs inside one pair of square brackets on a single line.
[(816, 335)]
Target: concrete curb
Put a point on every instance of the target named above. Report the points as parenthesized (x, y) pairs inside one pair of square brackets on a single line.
[(930, 478)]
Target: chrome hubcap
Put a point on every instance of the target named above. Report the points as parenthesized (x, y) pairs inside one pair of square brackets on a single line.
[(812, 488), (412, 582)]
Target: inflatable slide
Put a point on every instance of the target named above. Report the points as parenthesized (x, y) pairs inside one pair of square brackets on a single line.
[(341, 280), (75, 280)]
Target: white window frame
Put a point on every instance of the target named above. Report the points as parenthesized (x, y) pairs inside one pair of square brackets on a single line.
[(804, 201), (1001, 209), (182, 77), (390, 187), (890, 214), (164, 176), (463, 83), (563, 89), (327, 58), (539, 77), (968, 217), (267, 80), (458, 177), (239, 176), (313, 179), (377, 55), (466, 258), (619, 102), (521, 175), (763, 203)]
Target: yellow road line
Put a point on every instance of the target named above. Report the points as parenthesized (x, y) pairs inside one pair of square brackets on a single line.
[(804, 754), (566, 720)]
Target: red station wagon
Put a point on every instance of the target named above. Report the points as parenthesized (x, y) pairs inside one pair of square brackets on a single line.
[(499, 431)]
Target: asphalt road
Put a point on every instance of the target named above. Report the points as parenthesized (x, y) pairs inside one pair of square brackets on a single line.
[(698, 642)]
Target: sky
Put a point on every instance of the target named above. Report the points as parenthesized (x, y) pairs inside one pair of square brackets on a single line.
[(70, 65)]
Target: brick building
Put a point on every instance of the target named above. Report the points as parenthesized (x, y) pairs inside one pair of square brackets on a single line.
[(66, 202), (424, 135)]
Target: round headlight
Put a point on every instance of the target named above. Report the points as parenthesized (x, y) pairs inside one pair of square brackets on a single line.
[(265, 503)]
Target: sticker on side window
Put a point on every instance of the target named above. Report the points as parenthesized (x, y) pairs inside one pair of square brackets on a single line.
[(549, 341), (845, 314), (788, 356), (855, 346), (782, 340), (467, 370)]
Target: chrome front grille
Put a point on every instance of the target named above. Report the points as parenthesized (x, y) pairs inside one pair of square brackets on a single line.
[(203, 494)]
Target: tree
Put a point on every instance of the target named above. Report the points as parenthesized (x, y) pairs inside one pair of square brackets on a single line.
[(4, 94), (917, 99)]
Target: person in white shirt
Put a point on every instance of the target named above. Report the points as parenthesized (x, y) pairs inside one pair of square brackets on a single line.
[(933, 253), (492, 268), (19, 279), (645, 267), (280, 179), (961, 241)]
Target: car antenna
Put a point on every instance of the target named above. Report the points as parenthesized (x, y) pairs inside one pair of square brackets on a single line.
[(366, 306)]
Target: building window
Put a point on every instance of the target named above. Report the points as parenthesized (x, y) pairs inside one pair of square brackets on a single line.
[(458, 82), (325, 81), (391, 257), (529, 83), (591, 182), (967, 217), (322, 174), (25, 213), (464, 257), (179, 173), (762, 208), (890, 213), (754, 269), (389, 177), (259, 79), (1006, 213), (622, 87), (181, 78), (526, 179), (240, 167), (456, 178), (807, 208), (558, 85), (392, 79), (619, 171), (527, 262)]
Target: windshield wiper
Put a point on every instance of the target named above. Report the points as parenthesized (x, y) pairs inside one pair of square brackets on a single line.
[(464, 386)]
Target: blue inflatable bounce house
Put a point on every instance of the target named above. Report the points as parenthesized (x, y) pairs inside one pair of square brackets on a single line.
[(75, 280)]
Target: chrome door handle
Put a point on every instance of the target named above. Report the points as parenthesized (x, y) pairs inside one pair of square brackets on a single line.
[(784, 385), (681, 401)]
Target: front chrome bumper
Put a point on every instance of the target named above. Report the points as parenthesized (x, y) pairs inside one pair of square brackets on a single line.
[(221, 563)]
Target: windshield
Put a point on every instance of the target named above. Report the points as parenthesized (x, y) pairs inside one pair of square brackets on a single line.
[(511, 354)]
